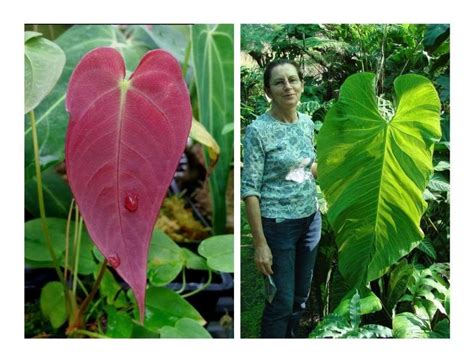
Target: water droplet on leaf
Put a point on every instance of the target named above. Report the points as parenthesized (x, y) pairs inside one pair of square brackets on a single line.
[(131, 201), (114, 261)]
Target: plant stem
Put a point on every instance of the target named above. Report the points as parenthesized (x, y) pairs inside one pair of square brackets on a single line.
[(39, 185), (76, 257), (184, 281), (93, 308), (204, 286), (66, 255), (91, 295)]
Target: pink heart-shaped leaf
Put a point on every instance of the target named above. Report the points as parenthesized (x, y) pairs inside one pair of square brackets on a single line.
[(123, 144)]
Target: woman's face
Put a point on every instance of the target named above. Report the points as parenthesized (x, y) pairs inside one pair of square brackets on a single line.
[(285, 86)]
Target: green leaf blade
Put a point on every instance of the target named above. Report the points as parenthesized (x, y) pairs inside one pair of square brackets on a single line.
[(219, 252), (44, 62), (53, 303), (213, 57), (165, 307), (373, 172), (185, 328)]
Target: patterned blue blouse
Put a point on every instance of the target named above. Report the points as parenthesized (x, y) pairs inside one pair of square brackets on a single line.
[(277, 166)]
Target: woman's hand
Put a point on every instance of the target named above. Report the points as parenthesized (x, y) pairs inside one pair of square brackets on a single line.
[(263, 258), (263, 254), (314, 169)]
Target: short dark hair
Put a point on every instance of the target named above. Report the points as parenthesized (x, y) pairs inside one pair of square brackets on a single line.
[(278, 62)]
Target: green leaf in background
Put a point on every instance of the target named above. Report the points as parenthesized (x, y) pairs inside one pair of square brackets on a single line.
[(442, 166), (408, 325), (219, 252), (185, 328), (194, 261), (35, 246), (165, 307), (368, 303), (49, 31), (373, 172), (51, 116), (119, 324), (165, 259), (141, 332), (44, 62), (438, 183), (426, 246), (213, 57), (53, 303), (109, 288), (354, 310), (397, 284), (435, 35), (173, 38), (36, 250), (57, 194)]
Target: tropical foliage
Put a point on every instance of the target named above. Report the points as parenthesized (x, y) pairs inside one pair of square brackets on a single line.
[(379, 99), (84, 297)]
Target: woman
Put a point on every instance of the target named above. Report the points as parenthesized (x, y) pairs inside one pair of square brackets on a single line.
[(280, 195)]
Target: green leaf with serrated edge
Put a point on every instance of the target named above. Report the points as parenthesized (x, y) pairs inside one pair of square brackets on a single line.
[(219, 252), (119, 324), (194, 261), (53, 303), (51, 115), (165, 259), (373, 172), (213, 59), (185, 328), (165, 307), (44, 62), (397, 284)]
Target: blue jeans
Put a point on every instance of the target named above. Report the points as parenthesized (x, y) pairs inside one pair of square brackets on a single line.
[(293, 243)]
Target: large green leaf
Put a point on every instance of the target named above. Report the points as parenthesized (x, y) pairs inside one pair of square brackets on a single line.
[(373, 172), (213, 56), (51, 115), (44, 62)]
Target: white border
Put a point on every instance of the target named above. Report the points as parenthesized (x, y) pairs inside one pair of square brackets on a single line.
[(15, 348)]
